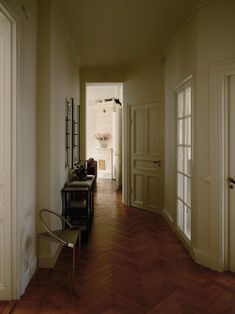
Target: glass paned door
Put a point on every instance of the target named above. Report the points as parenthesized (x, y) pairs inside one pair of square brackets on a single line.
[(184, 158)]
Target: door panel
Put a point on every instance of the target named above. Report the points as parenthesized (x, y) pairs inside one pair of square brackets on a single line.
[(138, 190), (5, 160), (146, 156), (151, 193), (231, 171), (152, 124), (138, 130)]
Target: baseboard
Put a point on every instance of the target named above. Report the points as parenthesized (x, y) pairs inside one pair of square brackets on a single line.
[(174, 228), (217, 263), (202, 258), (50, 260), (153, 210), (44, 262), (167, 216), (28, 274)]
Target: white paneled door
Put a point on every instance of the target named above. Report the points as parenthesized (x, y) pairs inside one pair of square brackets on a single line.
[(146, 156), (231, 171), (5, 159)]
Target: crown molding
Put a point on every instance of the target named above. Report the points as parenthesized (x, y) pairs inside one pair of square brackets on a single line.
[(198, 5), (66, 32), (202, 3)]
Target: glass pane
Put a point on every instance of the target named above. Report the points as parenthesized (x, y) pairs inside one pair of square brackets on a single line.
[(180, 103), (187, 222), (180, 132), (188, 101), (187, 161), (181, 159), (187, 132), (180, 215), (187, 191), (180, 186)]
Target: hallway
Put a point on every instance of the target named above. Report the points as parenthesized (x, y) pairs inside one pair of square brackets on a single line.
[(132, 264)]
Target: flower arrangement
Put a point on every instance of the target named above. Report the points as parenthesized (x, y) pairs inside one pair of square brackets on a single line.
[(80, 170), (102, 136)]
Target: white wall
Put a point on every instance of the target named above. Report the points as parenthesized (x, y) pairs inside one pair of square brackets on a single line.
[(64, 84), (144, 82), (207, 39), (58, 79), (26, 152)]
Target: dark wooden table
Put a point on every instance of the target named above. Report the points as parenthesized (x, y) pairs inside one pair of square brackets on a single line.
[(78, 201)]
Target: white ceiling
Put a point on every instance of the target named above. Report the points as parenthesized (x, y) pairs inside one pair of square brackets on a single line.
[(119, 32)]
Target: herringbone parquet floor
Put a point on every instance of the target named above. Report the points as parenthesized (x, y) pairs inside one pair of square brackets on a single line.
[(133, 263)]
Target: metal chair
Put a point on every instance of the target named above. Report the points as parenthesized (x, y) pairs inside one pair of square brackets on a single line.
[(66, 237)]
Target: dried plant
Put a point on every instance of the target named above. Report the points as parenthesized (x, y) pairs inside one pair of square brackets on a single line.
[(80, 169), (102, 136)]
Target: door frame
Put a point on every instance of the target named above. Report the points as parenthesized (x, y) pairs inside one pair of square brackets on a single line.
[(126, 171), (125, 133), (219, 74), (15, 152)]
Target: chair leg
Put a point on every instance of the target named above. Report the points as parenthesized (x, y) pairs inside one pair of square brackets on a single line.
[(79, 249), (74, 268), (38, 241)]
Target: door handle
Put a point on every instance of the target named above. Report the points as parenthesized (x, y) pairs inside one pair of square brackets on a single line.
[(231, 180), (157, 162)]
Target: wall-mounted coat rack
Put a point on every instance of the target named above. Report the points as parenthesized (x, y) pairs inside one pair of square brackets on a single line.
[(71, 133)]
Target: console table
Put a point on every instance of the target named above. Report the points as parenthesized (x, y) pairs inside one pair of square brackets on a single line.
[(78, 202)]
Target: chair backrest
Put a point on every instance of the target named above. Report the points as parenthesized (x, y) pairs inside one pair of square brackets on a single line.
[(42, 213)]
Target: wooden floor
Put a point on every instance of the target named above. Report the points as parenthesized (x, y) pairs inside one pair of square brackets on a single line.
[(132, 264)]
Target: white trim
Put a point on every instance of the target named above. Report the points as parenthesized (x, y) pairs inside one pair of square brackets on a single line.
[(202, 258), (187, 81), (126, 195), (16, 117), (168, 216), (219, 163), (15, 145), (198, 5)]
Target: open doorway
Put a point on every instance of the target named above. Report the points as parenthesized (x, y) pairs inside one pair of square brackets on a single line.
[(104, 129)]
